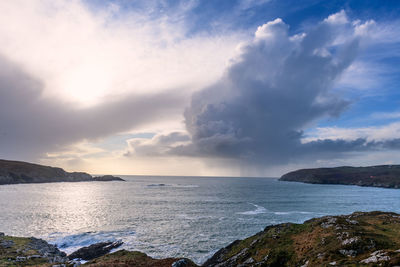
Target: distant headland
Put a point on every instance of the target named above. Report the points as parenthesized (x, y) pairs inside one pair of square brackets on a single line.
[(19, 172), (387, 176)]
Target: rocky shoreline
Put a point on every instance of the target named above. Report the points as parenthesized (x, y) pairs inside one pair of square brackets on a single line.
[(19, 172), (358, 239)]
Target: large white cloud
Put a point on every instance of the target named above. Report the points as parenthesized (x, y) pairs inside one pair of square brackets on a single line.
[(87, 54), (275, 88)]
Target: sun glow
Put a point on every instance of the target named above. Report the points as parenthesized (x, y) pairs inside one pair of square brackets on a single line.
[(86, 84)]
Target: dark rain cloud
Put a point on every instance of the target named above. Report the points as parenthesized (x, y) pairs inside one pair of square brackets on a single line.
[(278, 86)]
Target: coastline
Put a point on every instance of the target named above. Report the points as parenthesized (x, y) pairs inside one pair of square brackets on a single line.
[(359, 239), (384, 176)]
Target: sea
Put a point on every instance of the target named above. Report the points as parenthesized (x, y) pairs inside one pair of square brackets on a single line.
[(174, 216)]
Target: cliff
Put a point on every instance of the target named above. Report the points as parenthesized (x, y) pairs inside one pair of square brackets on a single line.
[(387, 176), (358, 239), (17, 172)]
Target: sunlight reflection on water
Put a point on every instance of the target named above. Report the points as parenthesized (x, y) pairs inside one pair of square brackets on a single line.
[(174, 216)]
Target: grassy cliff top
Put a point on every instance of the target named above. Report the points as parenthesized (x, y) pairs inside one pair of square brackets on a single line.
[(359, 239)]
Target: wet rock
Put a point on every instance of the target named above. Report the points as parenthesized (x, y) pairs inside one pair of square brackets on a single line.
[(181, 263), (94, 251)]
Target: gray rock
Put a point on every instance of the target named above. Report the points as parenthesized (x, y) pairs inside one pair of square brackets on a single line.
[(6, 243), (348, 252), (354, 222), (249, 261), (20, 258), (350, 241), (376, 256), (180, 263), (329, 222)]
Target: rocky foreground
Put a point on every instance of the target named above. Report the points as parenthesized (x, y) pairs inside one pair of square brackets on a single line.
[(387, 176), (19, 172), (358, 239)]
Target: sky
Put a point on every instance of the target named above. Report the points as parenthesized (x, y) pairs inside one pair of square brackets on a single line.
[(200, 87)]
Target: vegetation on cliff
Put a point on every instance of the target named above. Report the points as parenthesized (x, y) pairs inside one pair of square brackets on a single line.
[(387, 176), (359, 239)]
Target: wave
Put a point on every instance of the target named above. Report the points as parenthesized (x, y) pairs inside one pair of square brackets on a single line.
[(258, 210), (70, 243)]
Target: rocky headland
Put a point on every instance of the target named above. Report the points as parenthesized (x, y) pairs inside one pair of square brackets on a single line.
[(19, 172), (358, 239), (387, 176)]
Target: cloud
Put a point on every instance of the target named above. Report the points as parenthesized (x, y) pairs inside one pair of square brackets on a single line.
[(158, 145), (76, 72), (275, 88), (248, 4), (370, 133), (386, 115), (32, 124), (84, 54)]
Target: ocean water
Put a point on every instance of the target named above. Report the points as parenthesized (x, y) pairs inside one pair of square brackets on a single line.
[(174, 216)]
